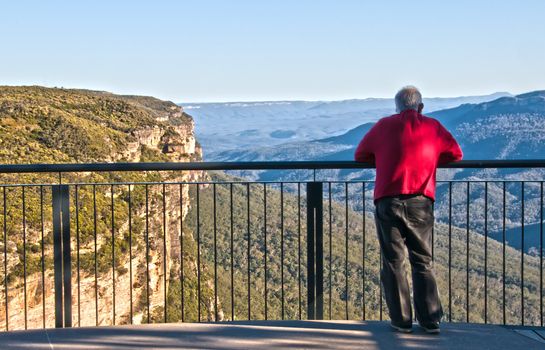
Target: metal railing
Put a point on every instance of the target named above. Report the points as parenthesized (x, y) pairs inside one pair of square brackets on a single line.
[(190, 250)]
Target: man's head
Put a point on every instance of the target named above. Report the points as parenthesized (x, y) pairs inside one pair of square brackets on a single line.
[(409, 98)]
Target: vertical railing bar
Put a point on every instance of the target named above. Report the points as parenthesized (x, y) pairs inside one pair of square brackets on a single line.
[(215, 257), (346, 248), (315, 254), (363, 253), (503, 253), (319, 241), (486, 252), (380, 270), (248, 248), (164, 196), (76, 203), (265, 248), (5, 257), (42, 260), (541, 254), (61, 253), (232, 254), (24, 256), (468, 193), (113, 250), (380, 285), (95, 255), (282, 244), (330, 275), (299, 245), (198, 255), (450, 251), (311, 271), (522, 255), (433, 234), (57, 254), (182, 277), (147, 254), (129, 199), (66, 255)]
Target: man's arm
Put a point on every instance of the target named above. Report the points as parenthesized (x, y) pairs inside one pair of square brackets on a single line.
[(365, 150), (451, 149)]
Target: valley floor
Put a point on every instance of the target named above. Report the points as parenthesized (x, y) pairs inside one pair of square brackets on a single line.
[(275, 335)]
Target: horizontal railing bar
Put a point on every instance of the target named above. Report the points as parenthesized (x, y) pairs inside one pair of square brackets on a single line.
[(171, 183), (256, 182), (301, 165), (151, 183)]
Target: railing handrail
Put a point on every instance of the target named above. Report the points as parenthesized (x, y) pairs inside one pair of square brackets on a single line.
[(277, 165)]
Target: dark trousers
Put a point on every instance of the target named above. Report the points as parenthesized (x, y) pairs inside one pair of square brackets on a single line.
[(407, 221)]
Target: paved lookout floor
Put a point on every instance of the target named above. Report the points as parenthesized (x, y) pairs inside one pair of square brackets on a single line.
[(272, 335)]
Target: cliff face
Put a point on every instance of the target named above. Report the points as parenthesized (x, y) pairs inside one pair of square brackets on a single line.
[(40, 125), (176, 141)]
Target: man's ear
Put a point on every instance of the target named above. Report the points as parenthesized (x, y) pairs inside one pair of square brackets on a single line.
[(420, 107)]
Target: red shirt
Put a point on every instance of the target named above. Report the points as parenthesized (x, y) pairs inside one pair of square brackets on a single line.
[(406, 149)]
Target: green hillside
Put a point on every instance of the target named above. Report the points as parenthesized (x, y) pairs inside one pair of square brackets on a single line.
[(41, 125), (355, 261)]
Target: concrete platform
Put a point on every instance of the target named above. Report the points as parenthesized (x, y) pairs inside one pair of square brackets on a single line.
[(273, 335)]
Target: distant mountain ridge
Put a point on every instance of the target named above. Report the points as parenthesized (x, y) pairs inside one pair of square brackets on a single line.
[(241, 125), (531, 102), (508, 127)]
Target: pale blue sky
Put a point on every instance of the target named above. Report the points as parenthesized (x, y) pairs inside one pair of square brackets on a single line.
[(201, 50)]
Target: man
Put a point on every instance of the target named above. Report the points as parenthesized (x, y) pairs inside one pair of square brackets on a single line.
[(406, 148)]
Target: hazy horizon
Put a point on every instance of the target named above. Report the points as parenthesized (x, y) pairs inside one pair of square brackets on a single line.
[(351, 99), (273, 101)]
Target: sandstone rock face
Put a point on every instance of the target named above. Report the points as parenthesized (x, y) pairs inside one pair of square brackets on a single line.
[(173, 135)]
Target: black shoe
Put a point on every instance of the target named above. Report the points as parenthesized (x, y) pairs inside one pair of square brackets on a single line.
[(402, 328), (431, 328)]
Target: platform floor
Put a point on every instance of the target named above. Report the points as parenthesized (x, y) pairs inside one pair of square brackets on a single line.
[(275, 335)]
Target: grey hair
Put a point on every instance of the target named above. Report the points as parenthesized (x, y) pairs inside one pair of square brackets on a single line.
[(408, 98)]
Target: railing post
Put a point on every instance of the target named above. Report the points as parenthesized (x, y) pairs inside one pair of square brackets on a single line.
[(315, 251), (62, 259)]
